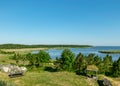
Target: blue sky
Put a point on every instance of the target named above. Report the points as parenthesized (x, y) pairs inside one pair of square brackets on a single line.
[(92, 22)]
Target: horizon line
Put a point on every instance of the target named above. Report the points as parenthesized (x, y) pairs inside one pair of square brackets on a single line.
[(57, 44)]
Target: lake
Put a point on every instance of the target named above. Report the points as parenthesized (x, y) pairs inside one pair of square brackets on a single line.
[(57, 52)]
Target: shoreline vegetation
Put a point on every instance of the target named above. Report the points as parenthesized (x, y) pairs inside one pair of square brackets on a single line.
[(23, 50), (110, 51), (22, 46)]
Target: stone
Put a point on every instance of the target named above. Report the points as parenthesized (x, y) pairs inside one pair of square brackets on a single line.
[(12, 69), (23, 69)]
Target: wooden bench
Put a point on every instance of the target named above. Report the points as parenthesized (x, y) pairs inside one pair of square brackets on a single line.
[(15, 75)]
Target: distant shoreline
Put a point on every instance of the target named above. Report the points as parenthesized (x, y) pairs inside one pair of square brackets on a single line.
[(110, 51), (22, 46)]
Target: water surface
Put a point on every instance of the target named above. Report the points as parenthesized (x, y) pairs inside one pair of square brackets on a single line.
[(57, 53)]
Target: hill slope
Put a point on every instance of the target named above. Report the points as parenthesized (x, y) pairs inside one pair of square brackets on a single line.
[(49, 79)]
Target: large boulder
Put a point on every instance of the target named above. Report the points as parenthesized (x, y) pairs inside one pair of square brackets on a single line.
[(12, 69)]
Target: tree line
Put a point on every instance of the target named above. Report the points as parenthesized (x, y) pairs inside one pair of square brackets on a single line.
[(20, 46), (69, 62)]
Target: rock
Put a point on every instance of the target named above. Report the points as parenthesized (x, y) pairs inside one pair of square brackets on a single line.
[(11, 69), (5, 69), (23, 69)]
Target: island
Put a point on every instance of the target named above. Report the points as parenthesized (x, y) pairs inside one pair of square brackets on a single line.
[(110, 51)]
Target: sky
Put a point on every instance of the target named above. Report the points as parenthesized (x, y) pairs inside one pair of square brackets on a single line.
[(82, 22)]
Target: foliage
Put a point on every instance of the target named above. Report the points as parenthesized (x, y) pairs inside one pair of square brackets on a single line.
[(67, 60), (6, 52), (107, 64), (97, 60), (80, 64), (90, 59), (44, 56), (20, 46), (101, 68), (17, 57), (116, 68), (58, 64), (31, 58), (38, 59)]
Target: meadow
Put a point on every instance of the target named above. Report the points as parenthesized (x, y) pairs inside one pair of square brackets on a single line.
[(44, 78)]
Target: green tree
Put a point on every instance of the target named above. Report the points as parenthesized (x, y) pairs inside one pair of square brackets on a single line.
[(31, 58), (80, 63), (90, 59), (17, 57), (67, 59), (97, 60), (58, 64), (43, 57), (24, 60), (116, 68), (101, 68), (107, 63), (38, 59), (118, 61)]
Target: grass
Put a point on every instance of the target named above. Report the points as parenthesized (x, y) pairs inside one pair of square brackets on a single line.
[(25, 50), (5, 59), (45, 78)]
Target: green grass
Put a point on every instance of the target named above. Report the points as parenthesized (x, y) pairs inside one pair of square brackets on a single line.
[(5, 59), (44, 78)]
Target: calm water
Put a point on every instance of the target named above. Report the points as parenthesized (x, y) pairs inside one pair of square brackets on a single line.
[(57, 53)]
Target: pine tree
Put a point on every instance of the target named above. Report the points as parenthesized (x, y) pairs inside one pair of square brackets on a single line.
[(90, 59), (116, 68), (80, 63)]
